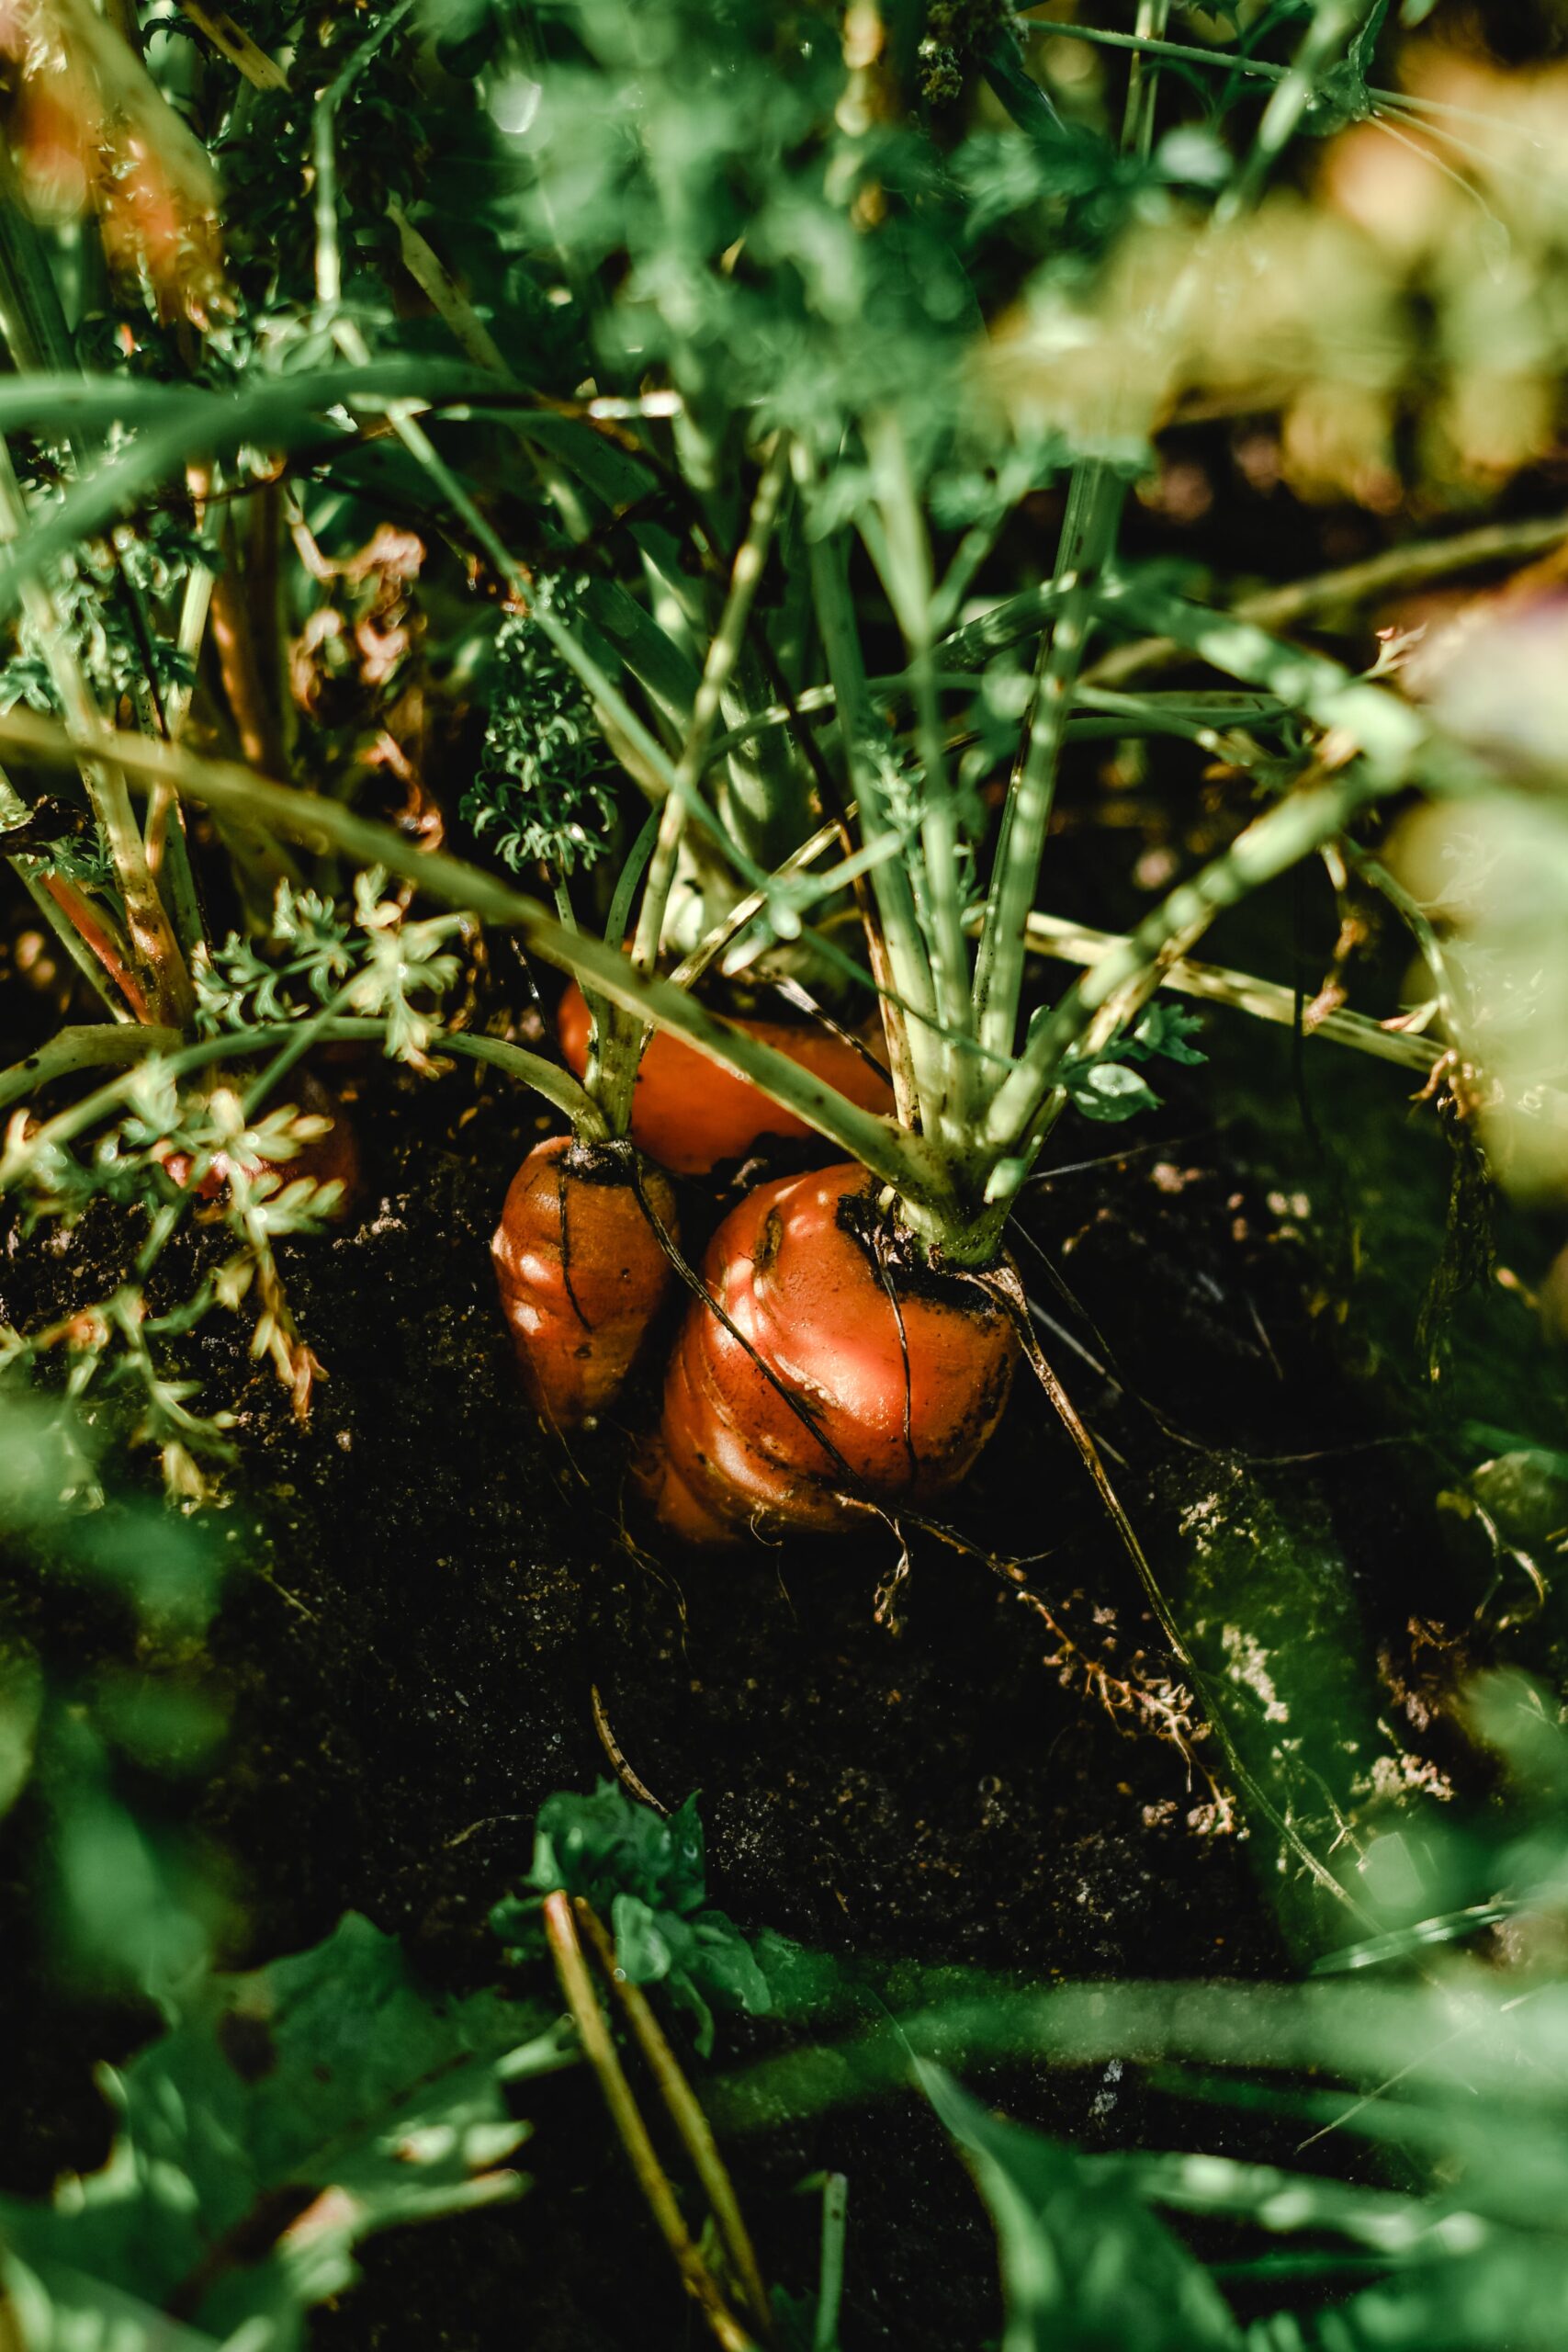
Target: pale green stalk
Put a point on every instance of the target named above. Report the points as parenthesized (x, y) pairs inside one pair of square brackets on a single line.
[(1227, 61), (1268, 846), (1087, 534), (1388, 730), (904, 563), (83, 1046), (724, 649), (913, 1040), (1334, 23), (86, 1049), (1076, 943), (1017, 617), (168, 853), (619, 1044), (831, 2266), (1087, 543), (329, 263)]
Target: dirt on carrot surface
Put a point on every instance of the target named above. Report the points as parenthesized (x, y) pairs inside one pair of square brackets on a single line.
[(445, 1616)]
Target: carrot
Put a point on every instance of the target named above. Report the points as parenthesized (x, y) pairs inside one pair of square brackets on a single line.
[(331, 1156), (580, 1269), (690, 1113), (900, 1373)]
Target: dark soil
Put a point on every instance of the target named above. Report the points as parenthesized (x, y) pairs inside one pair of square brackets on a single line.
[(446, 1619)]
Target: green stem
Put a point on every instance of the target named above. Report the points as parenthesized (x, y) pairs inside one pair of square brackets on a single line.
[(1094, 505), (1088, 545), (900, 1158), (1421, 929), (72, 943), (83, 1046), (1255, 68), (89, 1047), (914, 1046), (1333, 23), (620, 1054), (831, 2267), (1387, 730), (685, 2112), (599, 2048), (1076, 943), (323, 124), (713, 943), (1270, 844), (722, 654), (902, 551), (168, 851)]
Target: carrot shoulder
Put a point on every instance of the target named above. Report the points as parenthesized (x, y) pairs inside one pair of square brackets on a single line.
[(690, 1113)]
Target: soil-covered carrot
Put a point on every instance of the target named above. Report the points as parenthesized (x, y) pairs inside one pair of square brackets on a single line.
[(582, 1270), (329, 1155), (690, 1114), (901, 1369)]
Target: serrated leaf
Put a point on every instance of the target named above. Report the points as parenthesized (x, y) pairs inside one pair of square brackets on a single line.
[(292, 2112), (1169, 1029)]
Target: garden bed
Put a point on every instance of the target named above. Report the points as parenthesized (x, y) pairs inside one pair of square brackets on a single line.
[(444, 1616)]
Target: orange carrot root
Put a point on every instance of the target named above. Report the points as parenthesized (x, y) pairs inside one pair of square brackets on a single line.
[(582, 1271), (901, 1372), (689, 1114), (333, 1157)]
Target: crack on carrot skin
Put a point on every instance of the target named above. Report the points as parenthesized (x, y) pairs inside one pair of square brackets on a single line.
[(884, 1272), (566, 1245)]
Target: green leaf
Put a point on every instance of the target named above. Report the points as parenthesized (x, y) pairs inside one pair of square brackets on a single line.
[(646, 1876), (1086, 2267), (1110, 1091), (642, 1952), (291, 2113), (604, 1845), (1169, 1029)]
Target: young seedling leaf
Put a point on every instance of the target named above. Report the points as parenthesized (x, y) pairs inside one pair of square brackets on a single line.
[(648, 1877)]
